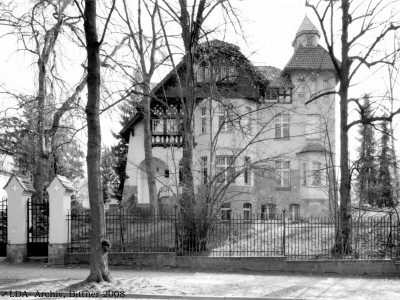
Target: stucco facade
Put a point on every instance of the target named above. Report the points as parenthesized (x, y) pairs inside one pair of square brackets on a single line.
[(275, 149)]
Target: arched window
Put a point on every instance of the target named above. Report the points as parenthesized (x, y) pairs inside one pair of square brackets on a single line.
[(247, 211), (268, 211), (226, 211), (294, 212)]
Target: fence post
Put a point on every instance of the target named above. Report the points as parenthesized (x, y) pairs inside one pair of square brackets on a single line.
[(284, 233), (176, 230), (391, 236), (19, 191), (60, 190)]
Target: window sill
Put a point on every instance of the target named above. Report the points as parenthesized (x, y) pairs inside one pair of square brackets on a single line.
[(282, 139), (283, 188)]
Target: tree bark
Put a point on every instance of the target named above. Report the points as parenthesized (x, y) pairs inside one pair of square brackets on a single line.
[(343, 243), (39, 177), (99, 271), (148, 152)]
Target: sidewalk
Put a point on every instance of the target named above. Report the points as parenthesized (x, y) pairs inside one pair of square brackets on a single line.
[(29, 279)]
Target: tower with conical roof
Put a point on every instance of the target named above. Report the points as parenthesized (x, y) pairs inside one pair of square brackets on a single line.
[(307, 35)]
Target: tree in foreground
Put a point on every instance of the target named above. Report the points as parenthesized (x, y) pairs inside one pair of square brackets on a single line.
[(359, 22), (190, 17), (99, 270)]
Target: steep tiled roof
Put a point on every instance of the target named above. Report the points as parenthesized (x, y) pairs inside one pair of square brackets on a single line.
[(66, 183), (310, 58), (274, 76), (313, 147)]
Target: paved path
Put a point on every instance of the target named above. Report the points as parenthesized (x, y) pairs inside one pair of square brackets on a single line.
[(183, 284)]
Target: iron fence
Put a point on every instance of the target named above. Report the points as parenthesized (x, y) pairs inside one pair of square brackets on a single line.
[(3, 226), (313, 238), (127, 233)]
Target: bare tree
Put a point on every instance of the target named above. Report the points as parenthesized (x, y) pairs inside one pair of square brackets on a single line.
[(359, 20), (39, 30), (145, 47), (99, 246), (190, 17)]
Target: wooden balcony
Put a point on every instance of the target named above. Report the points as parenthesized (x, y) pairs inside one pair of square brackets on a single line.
[(162, 140)]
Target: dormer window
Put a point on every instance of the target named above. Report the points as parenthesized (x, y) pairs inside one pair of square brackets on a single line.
[(310, 41), (272, 94), (282, 95), (222, 73)]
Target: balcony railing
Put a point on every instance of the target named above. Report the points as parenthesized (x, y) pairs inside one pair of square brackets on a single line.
[(166, 140)]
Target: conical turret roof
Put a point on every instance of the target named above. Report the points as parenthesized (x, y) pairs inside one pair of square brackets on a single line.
[(307, 26)]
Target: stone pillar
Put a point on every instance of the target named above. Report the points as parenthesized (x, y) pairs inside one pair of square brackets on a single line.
[(60, 190), (19, 190)]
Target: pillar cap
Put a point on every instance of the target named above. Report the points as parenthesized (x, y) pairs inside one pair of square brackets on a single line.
[(65, 183), (24, 182)]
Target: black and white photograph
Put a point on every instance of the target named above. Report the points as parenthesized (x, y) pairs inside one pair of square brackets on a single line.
[(200, 149)]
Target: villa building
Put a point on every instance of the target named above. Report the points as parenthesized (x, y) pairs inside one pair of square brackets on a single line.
[(267, 133)]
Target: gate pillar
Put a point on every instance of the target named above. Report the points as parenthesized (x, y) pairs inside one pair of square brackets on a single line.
[(19, 190), (60, 190)]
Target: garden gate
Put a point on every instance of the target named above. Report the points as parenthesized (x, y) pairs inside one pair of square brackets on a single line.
[(38, 228), (3, 227)]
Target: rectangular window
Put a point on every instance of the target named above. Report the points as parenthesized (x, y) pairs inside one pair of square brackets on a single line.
[(204, 119), (272, 94), (282, 126), (226, 211), (326, 87), (313, 86), (282, 170), (304, 174), (310, 41), (204, 169), (200, 74), (157, 126), (268, 211), (171, 126), (207, 74), (313, 126), (246, 121), (231, 73), (316, 173), (225, 169), (223, 73), (294, 212), (284, 96), (224, 123), (247, 211), (246, 171)]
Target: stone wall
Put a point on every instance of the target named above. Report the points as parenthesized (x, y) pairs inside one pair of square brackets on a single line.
[(16, 253), (260, 264)]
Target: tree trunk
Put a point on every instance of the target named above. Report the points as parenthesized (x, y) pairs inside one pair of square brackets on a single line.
[(39, 177), (188, 204), (98, 251), (148, 151), (343, 243)]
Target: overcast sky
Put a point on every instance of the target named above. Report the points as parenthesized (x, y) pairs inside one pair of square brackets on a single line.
[(269, 26)]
